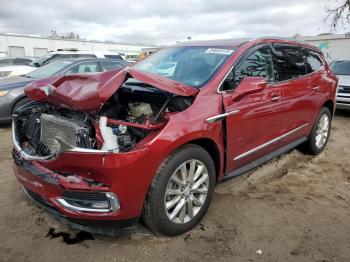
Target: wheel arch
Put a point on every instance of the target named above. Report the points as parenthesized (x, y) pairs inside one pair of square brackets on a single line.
[(330, 105), (213, 150)]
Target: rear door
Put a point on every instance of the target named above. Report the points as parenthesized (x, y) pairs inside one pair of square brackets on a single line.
[(253, 122), (298, 86)]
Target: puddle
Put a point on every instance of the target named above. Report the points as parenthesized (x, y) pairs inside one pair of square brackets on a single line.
[(68, 238)]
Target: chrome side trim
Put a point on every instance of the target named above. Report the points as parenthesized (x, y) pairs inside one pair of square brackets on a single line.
[(252, 151), (216, 118)]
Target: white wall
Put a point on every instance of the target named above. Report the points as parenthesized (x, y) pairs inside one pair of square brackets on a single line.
[(332, 46), (29, 43)]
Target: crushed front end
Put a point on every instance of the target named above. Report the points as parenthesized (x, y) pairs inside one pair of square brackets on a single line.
[(92, 170)]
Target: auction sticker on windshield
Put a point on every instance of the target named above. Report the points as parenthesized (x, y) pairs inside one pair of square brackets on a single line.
[(219, 51)]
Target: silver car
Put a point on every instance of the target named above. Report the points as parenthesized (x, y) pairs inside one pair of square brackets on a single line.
[(341, 68), (12, 89)]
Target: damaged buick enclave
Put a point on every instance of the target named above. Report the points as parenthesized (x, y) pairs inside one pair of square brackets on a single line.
[(151, 141)]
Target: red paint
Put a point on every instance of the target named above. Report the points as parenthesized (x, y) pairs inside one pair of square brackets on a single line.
[(129, 174), (88, 92)]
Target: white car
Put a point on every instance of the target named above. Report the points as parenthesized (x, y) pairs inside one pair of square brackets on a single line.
[(16, 70), (9, 71), (341, 68)]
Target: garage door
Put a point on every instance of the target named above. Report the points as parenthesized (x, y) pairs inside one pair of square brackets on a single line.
[(40, 51), (16, 51)]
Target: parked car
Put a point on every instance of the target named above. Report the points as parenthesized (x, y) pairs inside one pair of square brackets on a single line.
[(101, 151), (16, 70), (9, 61), (341, 68), (12, 89), (14, 66)]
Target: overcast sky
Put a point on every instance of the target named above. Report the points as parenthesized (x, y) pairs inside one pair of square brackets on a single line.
[(163, 22)]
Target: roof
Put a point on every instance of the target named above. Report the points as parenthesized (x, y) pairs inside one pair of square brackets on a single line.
[(76, 60), (237, 42)]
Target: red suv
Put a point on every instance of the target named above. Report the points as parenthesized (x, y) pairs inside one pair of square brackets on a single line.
[(151, 141)]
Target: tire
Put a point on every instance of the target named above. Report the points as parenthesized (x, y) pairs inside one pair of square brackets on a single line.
[(156, 215), (313, 145), (21, 102)]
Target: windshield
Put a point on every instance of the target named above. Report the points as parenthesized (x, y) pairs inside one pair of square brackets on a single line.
[(193, 66), (341, 67), (49, 69), (40, 60)]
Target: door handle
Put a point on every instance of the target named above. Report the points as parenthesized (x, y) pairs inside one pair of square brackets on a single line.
[(276, 98), (316, 88)]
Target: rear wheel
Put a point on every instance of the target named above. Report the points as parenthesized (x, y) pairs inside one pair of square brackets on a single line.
[(318, 138), (180, 192)]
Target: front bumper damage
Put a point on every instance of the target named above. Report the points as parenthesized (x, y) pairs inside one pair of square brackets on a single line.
[(73, 200)]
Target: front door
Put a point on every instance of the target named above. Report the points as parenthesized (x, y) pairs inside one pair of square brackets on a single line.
[(253, 122)]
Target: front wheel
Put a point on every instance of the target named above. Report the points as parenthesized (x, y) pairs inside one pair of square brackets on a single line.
[(180, 192), (318, 138)]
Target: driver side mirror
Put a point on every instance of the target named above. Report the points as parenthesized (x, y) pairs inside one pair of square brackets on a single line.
[(250, 85)]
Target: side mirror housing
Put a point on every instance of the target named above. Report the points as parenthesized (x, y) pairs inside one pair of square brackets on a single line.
[(250, 85)]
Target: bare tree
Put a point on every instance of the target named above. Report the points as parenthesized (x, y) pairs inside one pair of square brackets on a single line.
[(338, 15)]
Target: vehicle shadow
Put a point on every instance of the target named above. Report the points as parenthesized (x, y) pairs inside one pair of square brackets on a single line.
[(5, 125), (342, 113)]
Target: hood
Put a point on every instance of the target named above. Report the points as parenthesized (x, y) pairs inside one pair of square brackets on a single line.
[(17, 68), (14, 82), (344, 80), (88, 92)]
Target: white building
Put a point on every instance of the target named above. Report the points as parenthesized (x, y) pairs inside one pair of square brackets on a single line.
[(22, 45), (333, 46)]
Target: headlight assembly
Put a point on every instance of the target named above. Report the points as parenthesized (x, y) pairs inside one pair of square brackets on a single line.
[(5, 73), (3, 93)]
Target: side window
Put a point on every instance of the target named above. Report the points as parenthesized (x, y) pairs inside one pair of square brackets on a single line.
[(312, 61), (86, 67), (83, 56), (258, 63), (110, 65), (289, 62), (6, 62), (21, 61), (114, 56), (57, 57)]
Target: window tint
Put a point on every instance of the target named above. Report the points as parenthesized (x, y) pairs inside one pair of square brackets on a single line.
[(312, 61), (57, 57), (21, 61), (86, 67), (83, 56), (113, 56), (289, 62), (341, 67), (110, 65), (258, 63), (6, 62)]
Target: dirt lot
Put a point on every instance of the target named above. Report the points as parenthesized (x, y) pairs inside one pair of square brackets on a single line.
[(295, 208)]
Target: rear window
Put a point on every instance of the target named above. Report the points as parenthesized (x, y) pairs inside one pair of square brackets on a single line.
[(289, 62), (312, 61), (341, 67)]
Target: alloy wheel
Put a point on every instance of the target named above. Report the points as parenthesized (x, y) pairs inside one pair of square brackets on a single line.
[(322, 131), (186, 191)]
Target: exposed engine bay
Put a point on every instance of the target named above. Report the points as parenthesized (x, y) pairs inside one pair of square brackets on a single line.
[(133, 112)]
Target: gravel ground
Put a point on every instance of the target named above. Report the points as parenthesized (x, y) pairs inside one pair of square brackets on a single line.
[(295, 208)]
